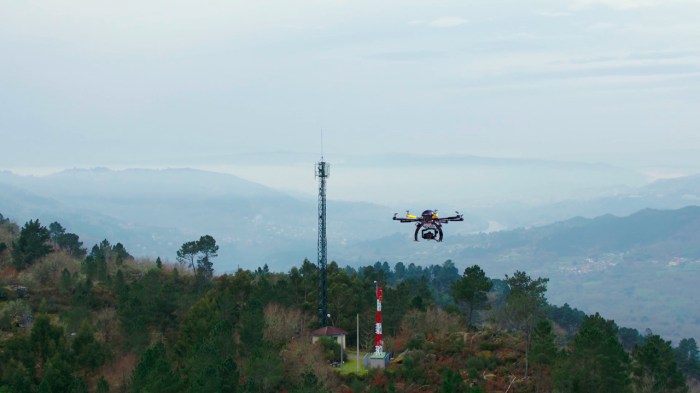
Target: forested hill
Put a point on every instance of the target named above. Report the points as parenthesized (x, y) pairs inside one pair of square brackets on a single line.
[(642, 268), (647, 233), (98, 320)]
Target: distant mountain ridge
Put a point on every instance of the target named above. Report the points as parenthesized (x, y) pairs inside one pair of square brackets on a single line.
[(578, 236), (178, 182), (626, 266), (634, 267), (153, 212)]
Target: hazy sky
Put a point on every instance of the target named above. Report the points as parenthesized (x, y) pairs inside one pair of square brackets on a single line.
[(88, 83)]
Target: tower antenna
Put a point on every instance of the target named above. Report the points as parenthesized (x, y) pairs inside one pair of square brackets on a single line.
[(322, 173)]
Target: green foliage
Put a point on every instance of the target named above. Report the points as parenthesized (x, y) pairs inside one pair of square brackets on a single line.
[(72, 244), (331, 349), (525, 305), (58, 376), (407, 295), (264, 371), (120, 254), (103, 256), (200, 251), (31, 245), (412, 370), (630, 338), (66, 282), (654, 368), (154, 373), (17, 378), (211, 365), (597, 363), (88, 352), (471, 290), (17, 353), (46, 339), (16, 313), (688, 357), (148, 303), (102, 386), (207, 248), (543, 354), (187, 253), (55, 231), (204, 329), (566, 317), (252, 324), (451, 381)]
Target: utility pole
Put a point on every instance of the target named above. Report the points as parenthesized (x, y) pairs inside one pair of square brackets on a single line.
[(358, 343)]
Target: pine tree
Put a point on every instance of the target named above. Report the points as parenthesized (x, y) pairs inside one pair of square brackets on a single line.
[(543, 354), (471, 290), (597, 362), (154, 372), (654, 369), (31, 245)]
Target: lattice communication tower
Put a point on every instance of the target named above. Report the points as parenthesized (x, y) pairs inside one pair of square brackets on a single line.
[(322, 173)]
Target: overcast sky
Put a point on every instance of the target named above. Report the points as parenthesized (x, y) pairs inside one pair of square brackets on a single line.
[(90, 83)]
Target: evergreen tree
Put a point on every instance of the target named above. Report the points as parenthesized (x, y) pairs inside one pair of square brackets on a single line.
[(154, 373), (211, 365), (206, 246), (543, 355), (31, 245), (87, 351), (525, 305), (187, 253), (58, 377), (120, 254), (18, 379), (654, 368), (687, 357), (46, 339), (66, 282), (56, 230), (597, 362), (252, 324), (471, 290)]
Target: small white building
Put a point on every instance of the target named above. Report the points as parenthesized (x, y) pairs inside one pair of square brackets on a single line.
[(335, 333)]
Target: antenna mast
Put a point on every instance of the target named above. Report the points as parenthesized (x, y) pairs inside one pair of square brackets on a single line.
[(322, 172)]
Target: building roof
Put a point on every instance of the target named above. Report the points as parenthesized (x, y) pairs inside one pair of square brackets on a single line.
[(328, 331)]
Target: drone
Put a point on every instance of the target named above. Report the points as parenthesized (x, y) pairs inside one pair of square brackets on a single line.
[(429, 224)]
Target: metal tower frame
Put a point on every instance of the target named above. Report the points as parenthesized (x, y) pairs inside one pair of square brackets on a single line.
[(322, 172)]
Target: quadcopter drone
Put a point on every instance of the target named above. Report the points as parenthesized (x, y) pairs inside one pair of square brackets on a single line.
[(428, 224)]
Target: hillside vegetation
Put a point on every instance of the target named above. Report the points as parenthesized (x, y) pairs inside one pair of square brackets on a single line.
[(99, 320)]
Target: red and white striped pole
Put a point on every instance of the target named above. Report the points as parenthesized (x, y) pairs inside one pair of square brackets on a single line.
[(378, 342)]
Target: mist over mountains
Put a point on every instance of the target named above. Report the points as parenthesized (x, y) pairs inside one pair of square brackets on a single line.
[(615, 256), (154, 211)]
